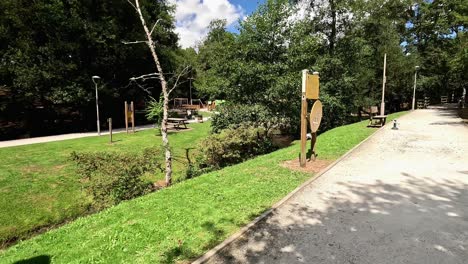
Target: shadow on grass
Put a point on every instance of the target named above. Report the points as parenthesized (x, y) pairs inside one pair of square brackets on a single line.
[(418, 220), (182, 251), (43, 259)]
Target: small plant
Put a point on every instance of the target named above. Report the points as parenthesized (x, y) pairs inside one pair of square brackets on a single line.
[(154, 110), (111, 177)]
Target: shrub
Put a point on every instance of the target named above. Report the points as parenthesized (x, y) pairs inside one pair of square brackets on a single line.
[(113, 177), (236, 115), (232, 146), (334, 113), (154, 110)]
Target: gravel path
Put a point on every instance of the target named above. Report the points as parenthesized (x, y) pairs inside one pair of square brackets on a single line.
[(402, 197)]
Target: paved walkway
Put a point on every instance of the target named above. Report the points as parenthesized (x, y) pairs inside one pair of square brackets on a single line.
[(402, 197)]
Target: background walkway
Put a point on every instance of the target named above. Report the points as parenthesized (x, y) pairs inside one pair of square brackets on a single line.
[(27, 141), (402, 197)]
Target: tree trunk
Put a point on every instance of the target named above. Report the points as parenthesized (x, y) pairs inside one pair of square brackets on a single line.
[(165, 92), (333, 26)]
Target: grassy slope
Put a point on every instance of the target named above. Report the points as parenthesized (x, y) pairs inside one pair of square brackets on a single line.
[(39, 187), (181, 222)]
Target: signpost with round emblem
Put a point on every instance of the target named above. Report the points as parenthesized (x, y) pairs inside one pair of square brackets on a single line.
[(310, 90)]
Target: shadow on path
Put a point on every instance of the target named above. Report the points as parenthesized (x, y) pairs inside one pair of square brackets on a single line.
[(418, 220)]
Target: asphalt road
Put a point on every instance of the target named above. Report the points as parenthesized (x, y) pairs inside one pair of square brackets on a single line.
[(401, 197)]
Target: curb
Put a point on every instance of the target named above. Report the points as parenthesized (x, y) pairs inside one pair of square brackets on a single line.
[(205, 257)]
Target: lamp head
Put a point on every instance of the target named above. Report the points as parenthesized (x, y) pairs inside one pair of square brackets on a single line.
[(417, 67)]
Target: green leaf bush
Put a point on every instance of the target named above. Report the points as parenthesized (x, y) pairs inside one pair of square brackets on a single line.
[(237, 115), (114, 177), (232, 146)]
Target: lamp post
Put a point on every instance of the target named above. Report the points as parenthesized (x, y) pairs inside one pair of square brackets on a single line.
[(382, 104), (190, 79), (414, 89), (95, 80)]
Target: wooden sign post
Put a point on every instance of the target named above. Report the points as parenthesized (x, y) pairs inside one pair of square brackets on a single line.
[(129, 116), (110, 129), (310, 90)]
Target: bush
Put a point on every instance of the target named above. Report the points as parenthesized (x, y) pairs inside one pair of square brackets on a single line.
[(113, 177), (236, 115), (232, 146), (334, 113)]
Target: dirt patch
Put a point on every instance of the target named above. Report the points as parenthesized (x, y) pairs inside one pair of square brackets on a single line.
[(175, 130), (32, 169), (311, 166)]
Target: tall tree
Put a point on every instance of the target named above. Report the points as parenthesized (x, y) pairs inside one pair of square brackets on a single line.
[(161, 75)]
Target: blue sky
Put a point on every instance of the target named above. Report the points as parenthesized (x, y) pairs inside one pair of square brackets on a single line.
[(194, 16), (249, 7)]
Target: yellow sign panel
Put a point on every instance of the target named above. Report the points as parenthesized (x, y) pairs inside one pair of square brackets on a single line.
[(312, 86)]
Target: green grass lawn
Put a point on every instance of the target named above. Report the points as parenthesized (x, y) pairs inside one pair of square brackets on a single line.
[(182, 222), (39, 186)]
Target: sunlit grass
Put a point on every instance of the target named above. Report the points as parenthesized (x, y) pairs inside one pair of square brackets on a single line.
[(182, 222)]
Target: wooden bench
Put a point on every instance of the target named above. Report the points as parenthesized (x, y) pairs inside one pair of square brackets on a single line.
[(177, 122), (190, 107), (375, 119), (378, 120)]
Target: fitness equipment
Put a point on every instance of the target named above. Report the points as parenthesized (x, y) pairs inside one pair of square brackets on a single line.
[(310, 90)]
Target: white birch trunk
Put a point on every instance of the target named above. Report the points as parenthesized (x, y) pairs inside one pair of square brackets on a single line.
[(165, 92)]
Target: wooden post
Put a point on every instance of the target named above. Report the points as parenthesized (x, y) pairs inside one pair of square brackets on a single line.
[(110, 129), (303, 119), (384, 81), (126, 117), (133, 117)]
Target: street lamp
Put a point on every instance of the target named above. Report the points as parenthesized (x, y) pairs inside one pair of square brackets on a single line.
[(95, 81), (190, 79), (414, 89), (384, 81)]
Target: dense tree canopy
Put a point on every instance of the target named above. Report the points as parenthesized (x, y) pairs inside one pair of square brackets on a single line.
[(50, 49), (345, 41)]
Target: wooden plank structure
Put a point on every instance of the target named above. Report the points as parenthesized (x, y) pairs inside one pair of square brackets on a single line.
[(444, 99), (427, 100), (177, 122), (109, 120), (310, 90), (421, 104), (376, 120), (129, 116)]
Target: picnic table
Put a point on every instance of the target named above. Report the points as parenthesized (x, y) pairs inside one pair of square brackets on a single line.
[(177, 122)]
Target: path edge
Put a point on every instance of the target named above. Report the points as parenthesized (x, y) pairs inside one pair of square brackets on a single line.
[(205, 257)]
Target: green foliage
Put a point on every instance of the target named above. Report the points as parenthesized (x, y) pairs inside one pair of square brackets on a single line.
[(237, 115), (155, 109), (212, 61), (232, 146), (114, 177), (50, 49)]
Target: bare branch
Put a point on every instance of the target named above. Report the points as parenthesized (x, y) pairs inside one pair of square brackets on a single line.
[(144, 77), (141, 86), (155, 24), (184, 71), (134, 42), (132, 5)]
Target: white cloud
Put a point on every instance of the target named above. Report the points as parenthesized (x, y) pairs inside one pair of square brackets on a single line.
[(194, 16)]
